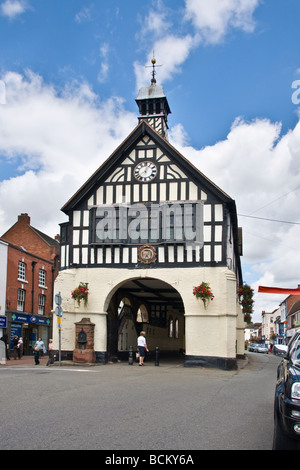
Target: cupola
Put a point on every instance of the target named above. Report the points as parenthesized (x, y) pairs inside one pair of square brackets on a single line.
[(153, 105)]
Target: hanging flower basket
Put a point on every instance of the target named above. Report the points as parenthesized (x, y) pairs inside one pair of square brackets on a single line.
[(204, 293), (245, 294), (81, 293)]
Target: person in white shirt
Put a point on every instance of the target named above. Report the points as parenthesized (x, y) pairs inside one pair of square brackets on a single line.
[(142, 347)]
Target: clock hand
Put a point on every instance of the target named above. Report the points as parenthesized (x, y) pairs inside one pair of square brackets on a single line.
[(145, 170)]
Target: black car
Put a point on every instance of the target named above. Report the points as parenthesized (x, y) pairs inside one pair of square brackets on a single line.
[(287, 399)]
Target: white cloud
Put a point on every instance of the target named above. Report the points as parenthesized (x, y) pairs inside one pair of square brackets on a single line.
[(13, 8), (172, 52), (104, 69), (84, 15), (259, 168), (213, 19), (59, 138), (71, 132)]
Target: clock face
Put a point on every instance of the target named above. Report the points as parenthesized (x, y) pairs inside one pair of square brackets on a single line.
[(145, 171)]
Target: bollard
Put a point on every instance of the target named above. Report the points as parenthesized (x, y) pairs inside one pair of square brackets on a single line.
[(156, 356), (130, 358)]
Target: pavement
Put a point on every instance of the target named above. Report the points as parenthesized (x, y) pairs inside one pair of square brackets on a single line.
[(28, 361), (25, 361)]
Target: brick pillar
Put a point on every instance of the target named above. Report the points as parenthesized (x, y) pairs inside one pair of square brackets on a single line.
[(84, 351)]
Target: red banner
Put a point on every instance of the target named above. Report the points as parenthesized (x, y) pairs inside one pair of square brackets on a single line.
[(278, 290)]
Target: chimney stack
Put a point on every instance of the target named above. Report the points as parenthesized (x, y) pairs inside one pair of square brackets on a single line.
[(24, 218)]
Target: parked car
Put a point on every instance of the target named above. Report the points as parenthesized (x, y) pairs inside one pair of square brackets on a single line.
[(262, 348), (287, 399)]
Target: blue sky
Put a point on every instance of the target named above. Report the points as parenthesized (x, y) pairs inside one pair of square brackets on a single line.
[(69, 75)]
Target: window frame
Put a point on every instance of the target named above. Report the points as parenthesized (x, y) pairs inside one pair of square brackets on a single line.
[(21, 300), (22, 271), (41, 304), (42, 277)]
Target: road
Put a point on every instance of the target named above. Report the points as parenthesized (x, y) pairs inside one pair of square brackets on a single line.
[(122, 407)]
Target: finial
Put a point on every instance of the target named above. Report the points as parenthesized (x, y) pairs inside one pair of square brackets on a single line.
[(153, 80)]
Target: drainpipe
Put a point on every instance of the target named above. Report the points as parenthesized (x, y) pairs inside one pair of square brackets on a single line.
[(32, 290)]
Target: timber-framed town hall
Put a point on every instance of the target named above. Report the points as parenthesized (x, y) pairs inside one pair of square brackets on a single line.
[(143, 231)]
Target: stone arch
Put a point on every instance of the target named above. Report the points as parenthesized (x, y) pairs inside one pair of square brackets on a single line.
[(150, 302)]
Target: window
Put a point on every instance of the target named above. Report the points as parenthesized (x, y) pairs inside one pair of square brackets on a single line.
[(176, 328), (21, 300), (42, 299), (295, 349), (171, 328), (42, 278), (22, 271), (158, 315)]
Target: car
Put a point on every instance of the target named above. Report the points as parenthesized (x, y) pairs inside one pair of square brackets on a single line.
[(262, 348), (253, 346), (286, 434)]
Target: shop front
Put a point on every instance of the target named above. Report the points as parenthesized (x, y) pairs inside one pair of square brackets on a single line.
[(30, 328)]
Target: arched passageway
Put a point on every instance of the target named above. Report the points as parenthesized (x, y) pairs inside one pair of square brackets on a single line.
[(147, 304)]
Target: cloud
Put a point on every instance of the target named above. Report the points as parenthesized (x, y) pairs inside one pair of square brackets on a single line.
[(104, 69), (173, 51), (215, 18), (208, 22), (155, 22), (13, 8), (84, 15), (69, 134), (259, 168)]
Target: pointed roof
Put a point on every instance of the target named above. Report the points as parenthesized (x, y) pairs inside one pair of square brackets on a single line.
[(24, 219), (141, 129), (152, 91)]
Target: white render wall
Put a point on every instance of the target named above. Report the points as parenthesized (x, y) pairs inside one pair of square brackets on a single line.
[(3, 275), (216, 331)]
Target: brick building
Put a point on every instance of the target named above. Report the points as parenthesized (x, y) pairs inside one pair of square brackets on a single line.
[(290, 315), (32, 265)]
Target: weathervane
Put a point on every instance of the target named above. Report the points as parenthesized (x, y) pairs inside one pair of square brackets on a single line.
[(153, 80)]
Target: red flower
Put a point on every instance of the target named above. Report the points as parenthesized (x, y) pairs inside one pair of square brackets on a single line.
[(203, 292), (81, 293)]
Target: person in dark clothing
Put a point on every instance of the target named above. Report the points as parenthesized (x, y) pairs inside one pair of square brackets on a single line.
[(36, 353), (16, 343)]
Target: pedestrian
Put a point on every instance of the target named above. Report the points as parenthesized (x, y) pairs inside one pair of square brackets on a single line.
[(40, 345), (50, 349), (20, 347), (5, 341), (15, 346), (36, 353), (142, 347)]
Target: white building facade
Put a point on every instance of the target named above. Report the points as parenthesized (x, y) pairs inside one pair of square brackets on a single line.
[(142, 232)]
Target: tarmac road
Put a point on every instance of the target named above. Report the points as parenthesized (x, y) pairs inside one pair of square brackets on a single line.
[(123, 407)]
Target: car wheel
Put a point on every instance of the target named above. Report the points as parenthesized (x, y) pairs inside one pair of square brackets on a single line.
[(280, 440)]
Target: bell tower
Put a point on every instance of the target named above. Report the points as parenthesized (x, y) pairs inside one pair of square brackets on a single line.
[(153, 105)]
